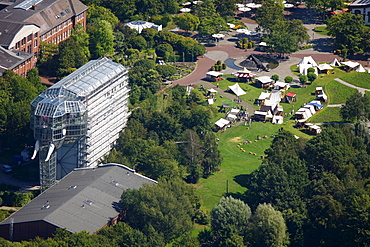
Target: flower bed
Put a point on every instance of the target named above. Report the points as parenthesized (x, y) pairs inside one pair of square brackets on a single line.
[(183, 69)]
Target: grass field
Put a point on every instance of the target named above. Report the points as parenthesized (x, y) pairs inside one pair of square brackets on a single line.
[(328, 114), (358, 79), (321, 30), (338, 93), (236, 164)]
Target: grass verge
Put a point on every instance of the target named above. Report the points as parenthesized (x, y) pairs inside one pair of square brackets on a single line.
[(338, 93), (358, 79)]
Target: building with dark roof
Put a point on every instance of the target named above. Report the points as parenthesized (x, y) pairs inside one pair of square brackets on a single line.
[(25, 23), (86, 199), (361, 7)]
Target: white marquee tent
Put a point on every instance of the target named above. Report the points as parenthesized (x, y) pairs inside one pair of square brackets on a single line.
[(335, 62), (237, 89), (308, 60), (140, 25)]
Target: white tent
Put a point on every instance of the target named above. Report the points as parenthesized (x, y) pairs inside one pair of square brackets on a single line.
[(351, 64), (303, 69), (234, 111), (222, 122), (264, 79), (237, 89), (213, 90), (311, 108), (277, 119), (324, 66), (140, 25), (244, 71), (264, 96), (308, 60), (359, 68), (210, 101), (335, 62)]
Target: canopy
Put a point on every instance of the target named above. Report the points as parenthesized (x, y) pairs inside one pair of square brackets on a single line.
[(214, 73), (264, 79), (281, 84), (222, 122), (324, 66), (308, 60), (291, 94), (288, 5), (243, 30), (350, 64), (262, 44), (234, 111), (213, 90), (230, 25), (210, 101), (237, 89), (218, 35), (185, 10), (277, 119), (359, 68), (253, 5), (244, 9), (335, 62), (140, 25)]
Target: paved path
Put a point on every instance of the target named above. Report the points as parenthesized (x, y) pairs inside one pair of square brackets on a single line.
[(360, 89)]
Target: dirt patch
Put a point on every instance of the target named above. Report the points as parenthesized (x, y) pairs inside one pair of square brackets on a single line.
[(235, 139)]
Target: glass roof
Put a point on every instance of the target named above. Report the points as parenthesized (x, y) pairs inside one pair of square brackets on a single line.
[(90, 76)]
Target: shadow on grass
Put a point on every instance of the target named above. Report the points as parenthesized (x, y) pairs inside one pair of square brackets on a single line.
[(238, 195), (242, 179)]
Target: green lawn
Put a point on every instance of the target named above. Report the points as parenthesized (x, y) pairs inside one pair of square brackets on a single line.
[(358, 79), (321, 30), (328, 114), (338, 93), (236, 163)]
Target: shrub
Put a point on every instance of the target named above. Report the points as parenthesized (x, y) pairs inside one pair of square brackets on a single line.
[(311, 76), (288, 79), (309, 70), (219, 62), (224, 66)]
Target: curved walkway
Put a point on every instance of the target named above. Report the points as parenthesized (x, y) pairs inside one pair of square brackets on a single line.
[(360, 89)]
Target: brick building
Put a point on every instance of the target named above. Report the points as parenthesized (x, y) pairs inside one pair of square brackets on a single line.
[(26, 23)]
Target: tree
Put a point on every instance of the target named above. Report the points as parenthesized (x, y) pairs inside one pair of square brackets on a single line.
[(212, 25), (165, 51), (324, 5), (166, 71), (70, 57), (205, 8), (270, 13), (230, 213), (123, 10), (138, 42), (101, 39), (288, 79), (96, 13), (356, 107), (303, 79), (268, 227), (311, 76), (346, 37), (225, 7), (187, 21), (165, 208), (275, 77)]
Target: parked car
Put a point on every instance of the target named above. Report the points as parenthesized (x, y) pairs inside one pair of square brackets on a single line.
[(7, 169)]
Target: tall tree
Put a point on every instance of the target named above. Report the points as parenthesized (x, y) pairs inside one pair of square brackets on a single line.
[(267, 15), (268, 227), (187, 21), (101, 39), (357, 107)]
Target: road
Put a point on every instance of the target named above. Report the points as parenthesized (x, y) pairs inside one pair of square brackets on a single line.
[(27, 186)]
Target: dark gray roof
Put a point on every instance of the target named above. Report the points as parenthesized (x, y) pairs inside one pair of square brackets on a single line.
[(11, 59), (360, 3), (8, 29), (87, 206), (48, 13)]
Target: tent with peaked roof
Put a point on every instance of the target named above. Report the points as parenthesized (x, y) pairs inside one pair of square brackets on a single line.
[(237, 89), (350, 64), (359, 68), (303, 68), (335, 62), (308, 60)]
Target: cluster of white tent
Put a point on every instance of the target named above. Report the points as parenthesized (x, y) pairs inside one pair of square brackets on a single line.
[(308, 111), (309, 62)]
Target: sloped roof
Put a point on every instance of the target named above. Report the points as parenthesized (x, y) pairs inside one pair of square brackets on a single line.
[(11, 59), (308, 60), (83, 200), (324, 66), (47, 15)]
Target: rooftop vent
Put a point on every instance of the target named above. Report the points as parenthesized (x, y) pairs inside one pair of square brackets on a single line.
[(46, 205), (72, 187), (115, 183), (89, 202)]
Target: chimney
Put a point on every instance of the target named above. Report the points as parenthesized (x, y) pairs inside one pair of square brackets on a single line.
[(34, 7)]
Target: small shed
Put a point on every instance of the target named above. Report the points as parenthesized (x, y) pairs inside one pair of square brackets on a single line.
[(277, 120), (325, 68), (290, 97), (319, 90), (214, 76), (279, 85), (311, 108), (262, 115), (264, 81), (263, 96), (316, 104)]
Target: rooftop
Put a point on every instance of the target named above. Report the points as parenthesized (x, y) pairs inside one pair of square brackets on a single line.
[(86, 199)]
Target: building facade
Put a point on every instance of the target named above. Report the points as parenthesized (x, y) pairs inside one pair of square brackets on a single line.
[(26, 23), (361, 7), (77, 120)]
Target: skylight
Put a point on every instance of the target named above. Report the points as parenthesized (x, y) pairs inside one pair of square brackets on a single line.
[(27, 4)]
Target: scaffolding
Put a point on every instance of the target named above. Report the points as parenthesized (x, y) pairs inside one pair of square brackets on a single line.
[(76, 121)]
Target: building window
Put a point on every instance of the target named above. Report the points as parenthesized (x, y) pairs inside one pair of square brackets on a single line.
[(23, 41), (29, 49), (368, 16), (29, 38), (357, 12), (35, 43), (17, 45), (36, 35)]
